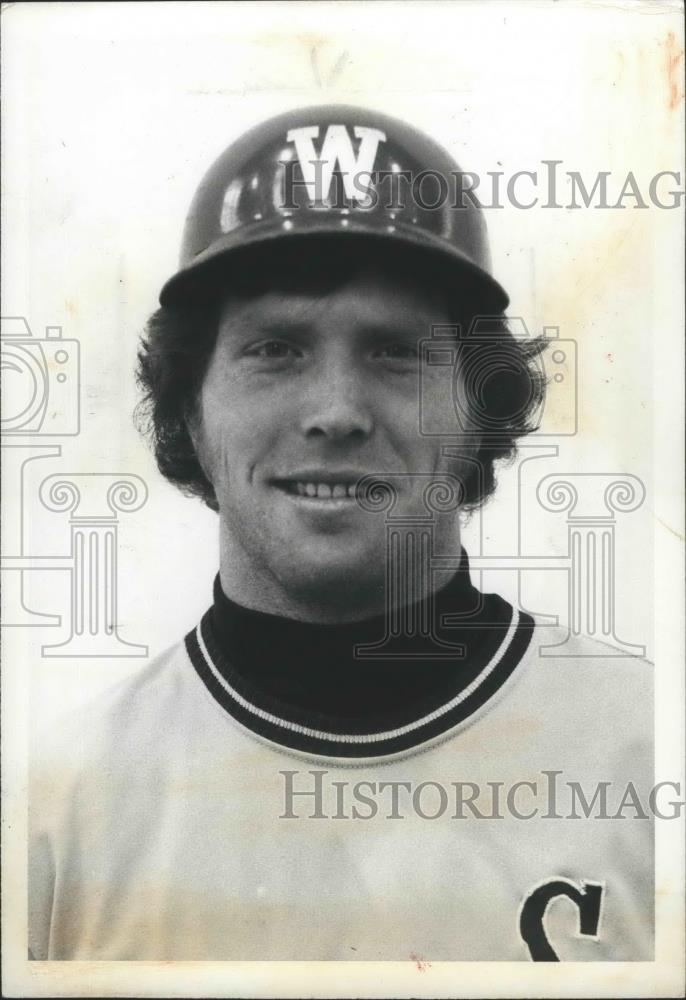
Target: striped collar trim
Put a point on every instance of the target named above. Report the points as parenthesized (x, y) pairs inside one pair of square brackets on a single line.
[(207, 660)]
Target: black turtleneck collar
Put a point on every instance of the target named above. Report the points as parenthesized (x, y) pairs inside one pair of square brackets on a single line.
[(316, 668), (355, 678)]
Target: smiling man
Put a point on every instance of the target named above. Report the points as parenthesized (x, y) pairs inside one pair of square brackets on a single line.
[(307, 392), (344, 759)]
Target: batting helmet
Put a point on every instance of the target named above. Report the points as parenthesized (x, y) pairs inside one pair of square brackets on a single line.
[(333, 170)]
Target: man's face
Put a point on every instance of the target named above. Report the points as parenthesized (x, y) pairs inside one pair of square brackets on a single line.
[(306, 393)]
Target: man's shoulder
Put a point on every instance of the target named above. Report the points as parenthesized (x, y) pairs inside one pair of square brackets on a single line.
[(124, 717), (584, 655), (589, 681), (158, 679)]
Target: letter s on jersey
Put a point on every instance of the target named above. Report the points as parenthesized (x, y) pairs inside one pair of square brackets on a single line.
[(587, 897)]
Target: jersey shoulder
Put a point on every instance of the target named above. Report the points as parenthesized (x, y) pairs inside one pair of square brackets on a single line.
[(121, 721), (561, 657), (587, 690)]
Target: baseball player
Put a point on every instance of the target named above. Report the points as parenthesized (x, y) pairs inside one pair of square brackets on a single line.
[(347, 758)]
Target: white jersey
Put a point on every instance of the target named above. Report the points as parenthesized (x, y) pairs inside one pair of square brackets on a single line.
[(166, 826)]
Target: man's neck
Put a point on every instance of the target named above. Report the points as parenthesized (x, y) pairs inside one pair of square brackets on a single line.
[(323, 599), (339, 602)]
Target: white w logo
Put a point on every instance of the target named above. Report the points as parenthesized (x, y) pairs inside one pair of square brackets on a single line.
[(337, 148)]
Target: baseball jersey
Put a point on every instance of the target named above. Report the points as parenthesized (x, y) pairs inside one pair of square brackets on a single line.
[(176, 819)]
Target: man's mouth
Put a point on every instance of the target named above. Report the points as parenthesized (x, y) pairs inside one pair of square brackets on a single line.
[(317, 490)]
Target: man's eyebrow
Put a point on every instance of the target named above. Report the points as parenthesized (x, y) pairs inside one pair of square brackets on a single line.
[(400, 325), (397, 326), (284, 324)]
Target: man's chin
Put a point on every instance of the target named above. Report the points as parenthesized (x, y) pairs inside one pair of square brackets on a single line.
[(337, 575)]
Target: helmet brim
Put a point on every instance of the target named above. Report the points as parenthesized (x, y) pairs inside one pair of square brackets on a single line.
[(190, 284)]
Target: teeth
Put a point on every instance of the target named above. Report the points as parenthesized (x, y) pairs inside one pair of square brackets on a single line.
[(325, 491)]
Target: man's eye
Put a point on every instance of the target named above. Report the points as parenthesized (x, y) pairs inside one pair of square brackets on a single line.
[(275, 349), (398, 352)]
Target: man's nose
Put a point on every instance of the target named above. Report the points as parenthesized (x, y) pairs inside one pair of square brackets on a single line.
[(336, 406)]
